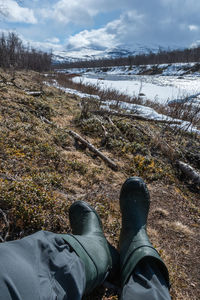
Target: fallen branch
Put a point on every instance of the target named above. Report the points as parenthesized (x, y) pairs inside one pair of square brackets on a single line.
[(131, 116), (93, 149), (189, 172), (34, 93), (87, 144)]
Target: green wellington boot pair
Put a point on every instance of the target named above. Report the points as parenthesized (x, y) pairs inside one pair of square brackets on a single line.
[(98, 256)]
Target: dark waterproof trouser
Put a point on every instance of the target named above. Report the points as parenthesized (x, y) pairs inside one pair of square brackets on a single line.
[(42, 267)]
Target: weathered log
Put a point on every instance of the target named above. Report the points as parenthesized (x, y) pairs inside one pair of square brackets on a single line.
[(34, 93), (93, 149), (131, 116), (189, 171)]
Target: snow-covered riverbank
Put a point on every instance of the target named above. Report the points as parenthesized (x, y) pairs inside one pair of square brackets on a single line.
[(144, 111), (155, 88), (175, 69)]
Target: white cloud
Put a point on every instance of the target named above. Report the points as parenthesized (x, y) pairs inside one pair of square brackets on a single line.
[(112, 35), (193, 28), (148, 22), (53, 40), (99, 38), (81, 12), (13, 12), (46, 46), (75, 11), (160, 22)]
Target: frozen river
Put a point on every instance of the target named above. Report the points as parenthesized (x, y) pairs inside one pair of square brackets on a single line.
[(154, 87)]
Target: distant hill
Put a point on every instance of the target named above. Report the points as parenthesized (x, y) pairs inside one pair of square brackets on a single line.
[(88, 53)]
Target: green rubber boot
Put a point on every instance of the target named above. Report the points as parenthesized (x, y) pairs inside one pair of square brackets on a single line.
[(134, 243), (90, 244)]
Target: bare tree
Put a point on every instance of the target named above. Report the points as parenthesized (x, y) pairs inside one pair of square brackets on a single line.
[(13, 54)]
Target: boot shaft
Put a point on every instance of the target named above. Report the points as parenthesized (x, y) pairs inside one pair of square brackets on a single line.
[(134, 242)]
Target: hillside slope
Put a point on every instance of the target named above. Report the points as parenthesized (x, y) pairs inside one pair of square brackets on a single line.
[(43, 171)]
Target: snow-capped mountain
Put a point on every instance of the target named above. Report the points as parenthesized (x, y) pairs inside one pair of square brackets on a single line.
[(98, 53)]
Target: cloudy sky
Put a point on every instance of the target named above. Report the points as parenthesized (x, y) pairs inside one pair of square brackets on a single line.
[(69, 24)]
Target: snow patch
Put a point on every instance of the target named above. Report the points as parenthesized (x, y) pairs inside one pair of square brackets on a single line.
[(150, 113)]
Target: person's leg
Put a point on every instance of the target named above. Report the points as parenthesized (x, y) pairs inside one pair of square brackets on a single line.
[(90, 244), (143, 273), (145, 283), (50, 266), (40, 266)]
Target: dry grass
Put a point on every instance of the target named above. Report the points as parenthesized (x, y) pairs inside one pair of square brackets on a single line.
[(177, 226), (42, 171)]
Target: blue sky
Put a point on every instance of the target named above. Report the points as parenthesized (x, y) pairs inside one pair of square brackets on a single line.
[(69, 24)]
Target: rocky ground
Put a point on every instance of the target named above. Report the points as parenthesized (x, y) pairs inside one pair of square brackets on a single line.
[(43, 171)]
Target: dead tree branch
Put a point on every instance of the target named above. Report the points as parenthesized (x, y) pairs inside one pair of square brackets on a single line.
[(34, 93), (93, 149)]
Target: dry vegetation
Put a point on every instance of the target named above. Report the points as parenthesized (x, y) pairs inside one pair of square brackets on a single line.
[(43, 171)]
